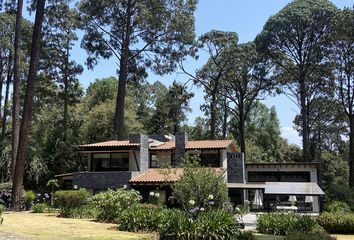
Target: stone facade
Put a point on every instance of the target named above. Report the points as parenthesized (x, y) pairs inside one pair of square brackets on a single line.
[(144, 153), (181, 140), (235, 168), (101, 180)]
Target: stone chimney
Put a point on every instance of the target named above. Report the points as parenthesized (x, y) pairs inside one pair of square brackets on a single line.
[(144, 153), (181, 140)]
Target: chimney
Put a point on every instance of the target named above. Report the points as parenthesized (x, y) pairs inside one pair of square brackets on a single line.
[(144, 152), (181, 140)]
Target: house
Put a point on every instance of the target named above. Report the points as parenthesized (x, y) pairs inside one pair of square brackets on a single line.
[(152, 163)]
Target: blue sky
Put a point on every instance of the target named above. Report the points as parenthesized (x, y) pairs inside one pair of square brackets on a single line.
[(246, 17)]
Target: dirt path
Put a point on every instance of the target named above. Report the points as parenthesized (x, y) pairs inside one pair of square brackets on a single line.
[(9, 236)]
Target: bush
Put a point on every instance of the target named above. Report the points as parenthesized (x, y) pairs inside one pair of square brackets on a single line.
[(309, 236), (176, 226), (216, 225), (337, 223), (2, 209), (5, 193), (30, 196), (70, 199), (200, 187), (39, 208), (245, 235), (338, 207), (111, 203), (141, 219), (282, 223), (342, 193), (83, 212)]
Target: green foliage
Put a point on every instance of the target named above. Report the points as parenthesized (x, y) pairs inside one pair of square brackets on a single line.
[(39, 208), (283, 224), (245, 235), (141, 219), (199, 187), (335, 170), (30, 196), (215, 224), (337, 207), (336, 192), (83, 212), (67, 200), (337, 222), (309, 236), (111, 203), (2, 209)]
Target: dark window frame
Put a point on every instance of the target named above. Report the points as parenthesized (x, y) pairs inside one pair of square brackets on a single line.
[(150, 161), (110, 169)]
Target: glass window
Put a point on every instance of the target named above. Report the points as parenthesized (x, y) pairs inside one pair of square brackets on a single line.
[(110, 161), (153, 161), (120, 161), (210, 160)]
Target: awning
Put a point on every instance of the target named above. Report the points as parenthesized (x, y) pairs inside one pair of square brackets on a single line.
[(293, 188), (282, 188), (246, 185)]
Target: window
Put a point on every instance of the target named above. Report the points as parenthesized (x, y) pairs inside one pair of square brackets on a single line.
[(110, 161), (153, 161)]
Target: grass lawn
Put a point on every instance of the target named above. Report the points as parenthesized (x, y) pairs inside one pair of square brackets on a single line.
[(271, 237), (48, 226)]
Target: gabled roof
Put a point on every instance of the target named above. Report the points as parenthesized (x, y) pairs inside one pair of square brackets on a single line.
[(113, 143), (163, 175), (191, 145), (201, 144)]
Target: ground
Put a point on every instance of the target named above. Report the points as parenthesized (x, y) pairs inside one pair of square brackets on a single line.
[(29, 226)]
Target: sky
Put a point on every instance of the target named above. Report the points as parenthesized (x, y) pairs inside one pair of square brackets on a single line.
[(246, 18)]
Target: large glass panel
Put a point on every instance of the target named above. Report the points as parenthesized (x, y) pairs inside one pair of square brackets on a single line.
[(100, 162), (210, 160), (120, 161), (153, 161)]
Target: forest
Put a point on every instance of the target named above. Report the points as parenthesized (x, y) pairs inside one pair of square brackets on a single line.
[(305, 51)]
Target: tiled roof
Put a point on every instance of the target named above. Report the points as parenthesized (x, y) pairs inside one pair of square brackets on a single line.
[(162, 175), (202, 144), (113, 143)]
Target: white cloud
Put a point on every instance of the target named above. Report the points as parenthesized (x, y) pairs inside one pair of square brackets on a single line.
[(292, 135)]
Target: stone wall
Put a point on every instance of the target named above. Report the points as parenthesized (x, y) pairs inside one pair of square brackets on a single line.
[(144, 153), (235, 168), (181, 140), (101, 180)]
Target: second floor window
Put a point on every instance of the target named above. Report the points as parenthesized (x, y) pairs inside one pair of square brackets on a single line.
[(153, 161), (110, 161)]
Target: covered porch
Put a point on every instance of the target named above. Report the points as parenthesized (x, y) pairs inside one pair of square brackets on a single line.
[(281, 196)]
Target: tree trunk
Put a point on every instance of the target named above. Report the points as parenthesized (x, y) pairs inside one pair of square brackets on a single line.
[(241, 128), (6, 105), (213, 113), (351, 151), (27, 109), (305, 133), (224, 125), (118, 125), (16, 89), (66, 91)]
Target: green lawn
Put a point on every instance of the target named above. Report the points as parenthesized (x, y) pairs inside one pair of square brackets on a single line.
[(49, 226)]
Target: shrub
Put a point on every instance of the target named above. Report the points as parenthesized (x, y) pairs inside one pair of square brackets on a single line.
[(141, 219), (83, 212), (30, 196), (337, 223), (5, 193), (67, 200), (2, 209), (309, 236), (216, 225), (200, 187), (337, 192), (39, 208), (111, 203), (282, 223), (245, 235), (176, 226), (338, 207)]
